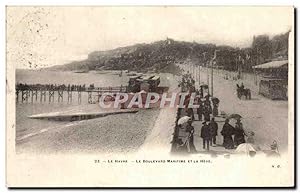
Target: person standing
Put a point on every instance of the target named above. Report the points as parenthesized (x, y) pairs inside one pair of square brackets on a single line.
[(239, 133), (207, 109), (206, 113), (213, 131), (205, 135), (250, 137), (227, 132), (201, 91), (200, 109), (215, 110), (189, 111), (190, 139)]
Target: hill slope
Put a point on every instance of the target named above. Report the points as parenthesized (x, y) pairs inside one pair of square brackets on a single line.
[(160, 56)]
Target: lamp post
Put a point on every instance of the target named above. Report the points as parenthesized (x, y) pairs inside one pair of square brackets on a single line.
[(204, 56), (193, 71), (199, 72)]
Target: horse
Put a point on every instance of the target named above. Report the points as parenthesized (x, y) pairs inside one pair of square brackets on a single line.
[(243, 92)]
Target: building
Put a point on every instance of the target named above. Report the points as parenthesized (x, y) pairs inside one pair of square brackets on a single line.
[(274, 79)]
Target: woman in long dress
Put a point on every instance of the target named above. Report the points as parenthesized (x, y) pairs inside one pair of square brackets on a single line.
[(239, 133), (227, 132), (190, 139)]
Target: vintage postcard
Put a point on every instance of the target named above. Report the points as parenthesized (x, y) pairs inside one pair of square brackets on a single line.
[(159, 96)]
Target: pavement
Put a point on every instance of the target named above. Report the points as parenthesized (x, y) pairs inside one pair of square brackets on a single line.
[(268, 119)]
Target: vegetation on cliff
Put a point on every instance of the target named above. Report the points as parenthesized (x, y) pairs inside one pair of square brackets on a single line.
[(161, 56)]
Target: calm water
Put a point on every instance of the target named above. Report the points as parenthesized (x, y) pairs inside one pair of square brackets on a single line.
[(103, 78)]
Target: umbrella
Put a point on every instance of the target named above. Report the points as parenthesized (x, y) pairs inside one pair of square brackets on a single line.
[(183, 120), (205, 86), (234, 116), (202, 99), (247, 148)]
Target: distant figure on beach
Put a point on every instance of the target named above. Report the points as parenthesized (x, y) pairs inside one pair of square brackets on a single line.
[(227, 132), (239, 133), (205, 135)]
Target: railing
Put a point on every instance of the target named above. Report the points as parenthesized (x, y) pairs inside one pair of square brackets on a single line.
[(33, 93)]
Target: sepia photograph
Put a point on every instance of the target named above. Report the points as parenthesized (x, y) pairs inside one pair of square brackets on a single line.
[(122, 96)]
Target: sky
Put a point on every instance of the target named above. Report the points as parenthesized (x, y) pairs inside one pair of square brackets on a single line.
[(45, 36)]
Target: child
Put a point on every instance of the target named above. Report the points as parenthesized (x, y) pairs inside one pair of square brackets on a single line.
[(250, 138)]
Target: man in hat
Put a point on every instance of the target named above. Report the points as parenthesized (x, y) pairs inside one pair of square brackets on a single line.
[(242, 86), (205, 135), (207, 110)]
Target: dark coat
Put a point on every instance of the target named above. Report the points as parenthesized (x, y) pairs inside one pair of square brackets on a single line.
[(239, 134), (227, 132), (207, 107), (205, 132), (190, 141), (200, 108), (213, 128), (190, 129)]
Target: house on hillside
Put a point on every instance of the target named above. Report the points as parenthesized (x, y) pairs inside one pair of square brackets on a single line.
[(274, 79)]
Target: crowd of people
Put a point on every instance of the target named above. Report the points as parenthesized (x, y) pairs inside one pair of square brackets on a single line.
[(207, 105), (233, 136)]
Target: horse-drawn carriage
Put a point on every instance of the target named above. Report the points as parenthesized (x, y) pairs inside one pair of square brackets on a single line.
[(241, 91)]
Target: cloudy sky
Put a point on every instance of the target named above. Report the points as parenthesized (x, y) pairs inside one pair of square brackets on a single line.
[(46, 36)]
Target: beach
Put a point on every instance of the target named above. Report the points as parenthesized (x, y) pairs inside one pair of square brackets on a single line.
[(120, 133)]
